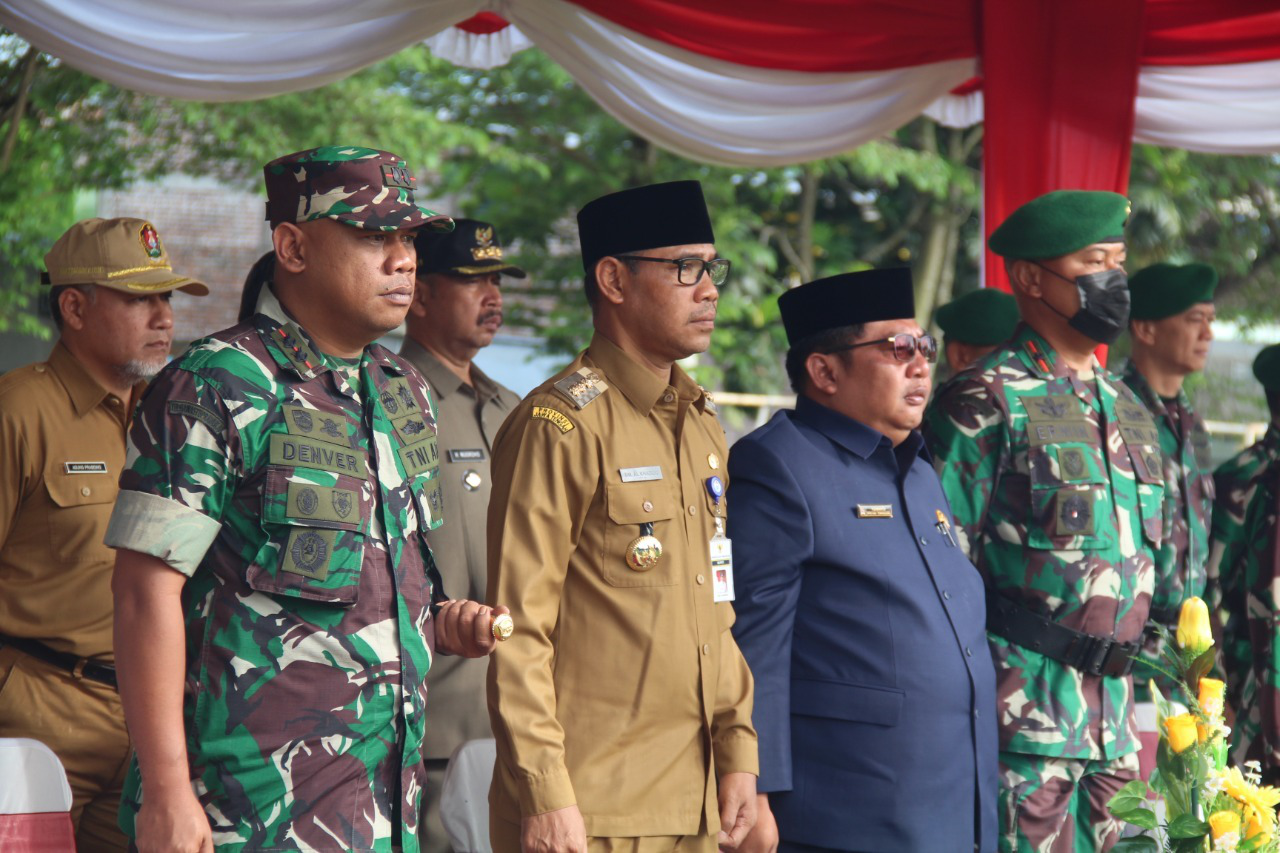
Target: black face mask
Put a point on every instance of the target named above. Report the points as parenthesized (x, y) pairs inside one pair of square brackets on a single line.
[(1104, 304)]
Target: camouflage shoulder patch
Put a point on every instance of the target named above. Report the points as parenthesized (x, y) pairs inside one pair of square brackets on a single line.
[(581, 387), (545, 413), (208, 417)]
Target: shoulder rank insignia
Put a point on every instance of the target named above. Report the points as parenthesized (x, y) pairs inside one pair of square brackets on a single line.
[(296, 350), (581, 387), (708, 403)]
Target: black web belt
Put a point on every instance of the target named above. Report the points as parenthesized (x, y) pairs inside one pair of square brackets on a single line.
[(78, 667), (1166, 616), (1085, 652)]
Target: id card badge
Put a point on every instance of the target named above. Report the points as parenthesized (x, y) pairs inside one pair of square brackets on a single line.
[(722, 569)]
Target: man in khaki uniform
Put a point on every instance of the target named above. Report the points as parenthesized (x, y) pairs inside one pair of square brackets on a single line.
[(622, 706), (456, 310), (62, 446)]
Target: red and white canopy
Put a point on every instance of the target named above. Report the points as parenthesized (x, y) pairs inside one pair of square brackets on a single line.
[(1063, 87)]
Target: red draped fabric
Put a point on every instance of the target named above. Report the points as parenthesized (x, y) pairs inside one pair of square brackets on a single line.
[(805, 35), (1059, 102), (874, 35)]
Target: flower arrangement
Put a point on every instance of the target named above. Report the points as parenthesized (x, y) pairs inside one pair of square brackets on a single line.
[(1207, 805)]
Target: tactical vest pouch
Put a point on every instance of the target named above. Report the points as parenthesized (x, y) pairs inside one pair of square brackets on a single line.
[(1068, 497), (1088, 653), (316, 533), (1142, 441)]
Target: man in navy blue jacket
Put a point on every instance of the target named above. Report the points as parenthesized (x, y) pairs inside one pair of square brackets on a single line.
[(861, 618)]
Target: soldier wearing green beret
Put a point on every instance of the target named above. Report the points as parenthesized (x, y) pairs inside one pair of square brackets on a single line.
[(1170, 323), (1053, 470), (974, 325), (1244, 555)]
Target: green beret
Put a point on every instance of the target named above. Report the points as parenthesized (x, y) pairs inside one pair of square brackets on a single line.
[(1059, 223), (1162, 290), (1267, 367), (982, 318)]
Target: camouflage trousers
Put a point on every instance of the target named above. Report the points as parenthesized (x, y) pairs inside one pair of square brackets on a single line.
[(1059, 805)]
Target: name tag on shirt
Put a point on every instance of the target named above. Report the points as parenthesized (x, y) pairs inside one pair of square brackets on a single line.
[(640, 475), (466, 455), (875, 510), (84, 467), (722, 569)]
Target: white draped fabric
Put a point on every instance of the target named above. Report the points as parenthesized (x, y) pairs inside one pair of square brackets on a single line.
[(703, 108), (1223, 109)]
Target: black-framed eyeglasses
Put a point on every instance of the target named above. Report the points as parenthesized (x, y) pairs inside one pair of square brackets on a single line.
[(905, 346), (690, 270)]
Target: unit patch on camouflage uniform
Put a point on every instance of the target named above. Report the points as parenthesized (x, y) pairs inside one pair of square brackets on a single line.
[(1052, 408), (1136, 425), (307, 553), (544, 413), (1071, 462), (322, 426), (1074, 513), (1056, 418), (321, 504), (581, 387), (208, 417)]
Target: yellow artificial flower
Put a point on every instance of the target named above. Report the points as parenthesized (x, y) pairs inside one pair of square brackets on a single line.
[(1182, 731), (1193, 627), (1259, 803), (1211, 693), (1256, 826), (1220, 823)]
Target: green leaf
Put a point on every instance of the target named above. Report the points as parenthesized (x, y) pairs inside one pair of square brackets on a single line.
[(1136, 844), (1187, 826), (1137, 789), (1144, 818)]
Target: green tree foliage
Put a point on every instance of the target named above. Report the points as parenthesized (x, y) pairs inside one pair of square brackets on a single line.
[(1223, 211), (524, 146)]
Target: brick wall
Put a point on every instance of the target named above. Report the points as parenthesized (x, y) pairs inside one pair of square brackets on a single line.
[(213, 233)]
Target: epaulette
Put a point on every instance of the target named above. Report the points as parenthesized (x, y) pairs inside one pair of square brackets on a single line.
[(295, 348), (708, 403), (581, 387)]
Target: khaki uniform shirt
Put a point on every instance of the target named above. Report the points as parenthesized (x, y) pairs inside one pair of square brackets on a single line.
[(62, 446), (467, 419), (622, 691)]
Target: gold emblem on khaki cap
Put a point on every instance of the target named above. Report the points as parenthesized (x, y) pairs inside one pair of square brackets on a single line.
[(123, 254)]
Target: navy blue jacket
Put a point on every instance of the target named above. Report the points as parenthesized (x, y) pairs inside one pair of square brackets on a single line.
[(874, 689)]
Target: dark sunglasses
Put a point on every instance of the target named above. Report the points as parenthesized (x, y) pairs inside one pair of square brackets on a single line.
[(905, 346)]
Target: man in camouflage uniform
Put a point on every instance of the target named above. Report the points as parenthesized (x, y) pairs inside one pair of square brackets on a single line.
[(973, 325), (1053, 471), (274, 590), (1170, 323), (1245, 558)]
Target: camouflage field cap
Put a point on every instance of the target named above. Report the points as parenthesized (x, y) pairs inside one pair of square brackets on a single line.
[(361, 187), (122, 254)]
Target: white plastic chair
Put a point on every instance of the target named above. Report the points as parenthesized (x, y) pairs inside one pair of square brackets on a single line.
[(35, 799), (464, 796)]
